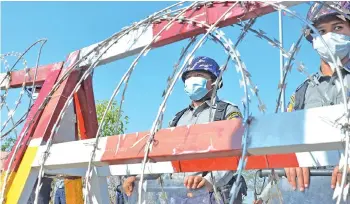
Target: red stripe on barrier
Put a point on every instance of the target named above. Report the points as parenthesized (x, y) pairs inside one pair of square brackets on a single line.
[(227, 163), (217, 139), (231, 163), (42, 73), (179, 31)]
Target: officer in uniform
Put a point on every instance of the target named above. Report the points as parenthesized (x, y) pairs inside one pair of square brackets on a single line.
[(199, 79), (323, 89)]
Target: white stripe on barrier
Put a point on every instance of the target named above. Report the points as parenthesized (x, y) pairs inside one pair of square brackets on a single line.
[(128, 45), (4, 81), (74, 154)]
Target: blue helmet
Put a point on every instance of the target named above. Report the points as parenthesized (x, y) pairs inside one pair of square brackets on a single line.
[(204, 64), (318, 11)]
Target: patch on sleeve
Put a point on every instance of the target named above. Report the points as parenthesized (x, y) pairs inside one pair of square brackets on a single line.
[(233, 115), (291, 104)]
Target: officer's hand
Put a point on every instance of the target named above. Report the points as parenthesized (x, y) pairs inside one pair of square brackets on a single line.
[(303, 177), (128, 185), (336, 177), (258, 201), (195, 182)]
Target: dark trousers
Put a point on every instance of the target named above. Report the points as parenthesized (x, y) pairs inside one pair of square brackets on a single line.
[(225, 199), (60, 196), (44, 193)]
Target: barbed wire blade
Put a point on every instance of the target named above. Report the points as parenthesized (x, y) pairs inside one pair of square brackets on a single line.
[(200, 24), (238, 55), (220, 34), (272, 43), (168, 80), (294, 14), (182, 51), (237, 68), (214, 39), (288, 68), (307, 31), (189, 58), (262, 108), (262, 32), (277, 41), (244, 101), (11, 113), (282, 86), (301, 67), (281, 6), (248, 81), (230, 42), (227, 47), (241, 83), (255, 90), (292, 47), (258, 36), (286, 55)]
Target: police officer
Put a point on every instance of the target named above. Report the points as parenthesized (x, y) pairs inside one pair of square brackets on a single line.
[(60, 195), (324, 89), (199, 79)]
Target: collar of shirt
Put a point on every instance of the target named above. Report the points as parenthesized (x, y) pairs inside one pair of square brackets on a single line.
[(203, 106), (321, 77)]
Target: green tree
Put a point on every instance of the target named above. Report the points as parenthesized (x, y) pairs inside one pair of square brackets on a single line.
[(7, 144), (115, 123), (110, 127)]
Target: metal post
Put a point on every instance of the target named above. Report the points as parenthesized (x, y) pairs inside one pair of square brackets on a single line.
[(280, 30)]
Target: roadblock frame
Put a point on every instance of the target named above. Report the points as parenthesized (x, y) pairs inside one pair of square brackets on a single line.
[(274, 147)]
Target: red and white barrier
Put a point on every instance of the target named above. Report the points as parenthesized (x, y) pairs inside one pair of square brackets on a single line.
[(303, 138)]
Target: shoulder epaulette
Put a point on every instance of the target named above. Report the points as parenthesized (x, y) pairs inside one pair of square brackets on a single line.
[(230, 103)]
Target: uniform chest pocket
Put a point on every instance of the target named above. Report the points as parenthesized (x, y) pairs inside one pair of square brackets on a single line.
[(313, 103)]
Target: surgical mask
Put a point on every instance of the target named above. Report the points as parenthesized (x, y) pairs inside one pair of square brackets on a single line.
[(196, 88), (338, 44)]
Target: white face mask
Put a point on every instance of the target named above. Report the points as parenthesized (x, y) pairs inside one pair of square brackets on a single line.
[(338, 44), (196, 88)]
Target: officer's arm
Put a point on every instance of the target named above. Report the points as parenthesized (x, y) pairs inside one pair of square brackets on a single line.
[(223, 177), (233, 112)]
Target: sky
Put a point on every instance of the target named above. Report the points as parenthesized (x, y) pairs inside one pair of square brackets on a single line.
[(69, 26)]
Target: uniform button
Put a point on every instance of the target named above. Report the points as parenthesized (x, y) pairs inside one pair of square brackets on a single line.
[(332, 103)]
